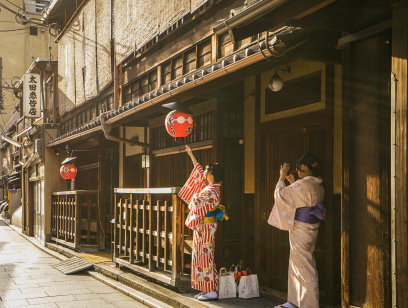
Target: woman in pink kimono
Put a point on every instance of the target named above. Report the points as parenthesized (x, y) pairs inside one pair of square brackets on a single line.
[(202, 193), (298, 209)]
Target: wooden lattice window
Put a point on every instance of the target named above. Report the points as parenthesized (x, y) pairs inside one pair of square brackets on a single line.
[(204, 54), (225, 45), (127, 95), (110, 102), (177, 70), (189, 61), (93, 112), (144, 85), (153, 80), (166, 71), (135, 90), (98, 109)]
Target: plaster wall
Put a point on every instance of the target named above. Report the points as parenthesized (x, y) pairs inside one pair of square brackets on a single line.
[(19, 49)]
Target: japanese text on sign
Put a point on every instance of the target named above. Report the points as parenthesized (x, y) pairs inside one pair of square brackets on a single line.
[(32, 96)]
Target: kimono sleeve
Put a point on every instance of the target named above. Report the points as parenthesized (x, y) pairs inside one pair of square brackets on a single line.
[(194, 184), (284, 209)]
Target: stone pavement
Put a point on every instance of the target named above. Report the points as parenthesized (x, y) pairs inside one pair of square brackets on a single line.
[(28, 279)]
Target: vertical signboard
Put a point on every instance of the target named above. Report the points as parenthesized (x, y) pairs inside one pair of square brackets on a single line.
[(32, 95)]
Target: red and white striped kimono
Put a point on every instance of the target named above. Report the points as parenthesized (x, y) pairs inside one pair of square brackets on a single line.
[(201, 198)]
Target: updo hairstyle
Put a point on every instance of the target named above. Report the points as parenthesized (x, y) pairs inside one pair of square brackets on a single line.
[(312, 162), (217, 171)]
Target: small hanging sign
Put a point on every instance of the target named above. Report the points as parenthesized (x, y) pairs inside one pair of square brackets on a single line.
[(32, 95)]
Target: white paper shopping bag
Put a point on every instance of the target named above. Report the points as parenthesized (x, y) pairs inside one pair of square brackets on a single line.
[(248, 286), (226, 284)]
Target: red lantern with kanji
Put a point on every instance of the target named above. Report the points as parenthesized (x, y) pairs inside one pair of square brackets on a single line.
[(179, 124), (68, 171)]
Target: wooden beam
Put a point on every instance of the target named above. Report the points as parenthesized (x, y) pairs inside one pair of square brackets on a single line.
[(330, 20), (400, 68), (365, 33), (345, 204), (331, 222), (325, 55)]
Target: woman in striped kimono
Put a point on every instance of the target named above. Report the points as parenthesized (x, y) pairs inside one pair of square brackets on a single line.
[(298, 209), (202, 193)]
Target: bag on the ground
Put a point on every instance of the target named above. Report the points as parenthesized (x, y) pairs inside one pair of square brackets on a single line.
[(226, 284), (248, 285), (235, 272)]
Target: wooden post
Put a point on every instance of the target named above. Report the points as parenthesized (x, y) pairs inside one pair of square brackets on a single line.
[(115, 229), (345, 220), (214, 48), (331, 223), (88, 233), (159, 78), (132, 232), (166, 237), (126, 244), (102, 195), (144, 231), (150, 236), (158, 230), (400, 69), (77, 222), (260, 257), (137, 248), (120, 220), (66, 217), (176, 223)]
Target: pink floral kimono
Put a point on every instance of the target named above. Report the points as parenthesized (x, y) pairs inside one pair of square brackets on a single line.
[(303, 287), (201, 198)]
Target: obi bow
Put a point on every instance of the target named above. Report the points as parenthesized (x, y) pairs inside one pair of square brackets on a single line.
[(216, 214)]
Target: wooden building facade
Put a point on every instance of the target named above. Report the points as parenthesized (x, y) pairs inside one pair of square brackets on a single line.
[(217, 58)]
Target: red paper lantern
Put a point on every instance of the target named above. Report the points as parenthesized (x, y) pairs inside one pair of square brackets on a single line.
[(68, 171), (179, 124)]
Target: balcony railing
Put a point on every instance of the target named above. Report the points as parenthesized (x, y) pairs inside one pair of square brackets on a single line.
[(75, 218), (150, 236)]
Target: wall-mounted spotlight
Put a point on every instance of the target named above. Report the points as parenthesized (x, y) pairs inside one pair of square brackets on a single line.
[(276, 83), (56, 152)]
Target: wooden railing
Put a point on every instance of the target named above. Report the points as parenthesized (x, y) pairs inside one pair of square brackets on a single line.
[(150, 236), (75, 218)]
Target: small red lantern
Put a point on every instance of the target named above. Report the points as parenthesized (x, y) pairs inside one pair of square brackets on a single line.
[(179, 124), (68, 171)]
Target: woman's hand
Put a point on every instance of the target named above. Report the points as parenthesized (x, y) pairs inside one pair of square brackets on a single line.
[(283, 172), (190, 153), (188, 150), (291, 178)]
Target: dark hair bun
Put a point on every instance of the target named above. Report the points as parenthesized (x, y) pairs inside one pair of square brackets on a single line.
[(217, 171), (312, 162)]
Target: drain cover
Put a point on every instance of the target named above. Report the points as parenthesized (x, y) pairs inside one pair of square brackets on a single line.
[(73, 265)]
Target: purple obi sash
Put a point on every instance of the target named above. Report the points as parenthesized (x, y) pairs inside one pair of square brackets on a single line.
[(311, 214)]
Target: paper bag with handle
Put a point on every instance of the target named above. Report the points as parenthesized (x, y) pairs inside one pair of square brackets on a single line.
[(248, 285), (226, 284)]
